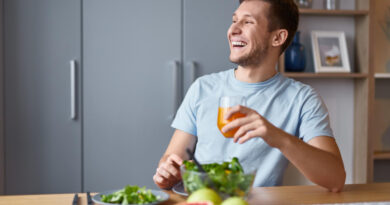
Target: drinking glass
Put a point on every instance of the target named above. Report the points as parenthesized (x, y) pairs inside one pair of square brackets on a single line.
[(225, 104)]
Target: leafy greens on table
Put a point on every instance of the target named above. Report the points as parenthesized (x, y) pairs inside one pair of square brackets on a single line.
[(130, 195), (227, 178)]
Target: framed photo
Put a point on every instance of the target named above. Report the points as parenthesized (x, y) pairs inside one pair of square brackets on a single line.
[(330, 51)]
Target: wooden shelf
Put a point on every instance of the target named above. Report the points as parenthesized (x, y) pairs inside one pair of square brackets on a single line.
[(380, 155), (382, 75), (363, 81), (325, 75), (333, 12)]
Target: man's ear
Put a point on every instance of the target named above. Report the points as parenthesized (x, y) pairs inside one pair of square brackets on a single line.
[(279, 37)]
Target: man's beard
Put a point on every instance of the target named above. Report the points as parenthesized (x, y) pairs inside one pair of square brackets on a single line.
[(253, 58)]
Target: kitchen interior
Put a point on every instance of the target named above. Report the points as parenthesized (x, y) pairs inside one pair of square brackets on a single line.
[(89, 88)]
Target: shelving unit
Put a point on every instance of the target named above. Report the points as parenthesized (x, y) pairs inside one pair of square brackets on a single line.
[(370, 104), (379, 140), (363, 82), (325, 75), (333, 12), (361, 24), (381, 155), (382, 75)]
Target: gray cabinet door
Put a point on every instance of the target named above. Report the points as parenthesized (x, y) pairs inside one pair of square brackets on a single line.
[(129, 93), (43, 144), (206, 48)]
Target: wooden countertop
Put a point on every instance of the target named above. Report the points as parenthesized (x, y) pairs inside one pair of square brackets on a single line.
[(378, 192)]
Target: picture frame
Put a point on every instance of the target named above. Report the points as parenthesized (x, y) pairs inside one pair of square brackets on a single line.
[(330, 52)]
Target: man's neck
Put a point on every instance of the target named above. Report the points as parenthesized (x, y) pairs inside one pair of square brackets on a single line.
[(255, 74)]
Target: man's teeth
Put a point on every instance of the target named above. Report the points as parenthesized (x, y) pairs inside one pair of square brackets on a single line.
[(238, 43)]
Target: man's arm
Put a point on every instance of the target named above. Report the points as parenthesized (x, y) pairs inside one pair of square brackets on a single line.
[(319, 159), (168, 172)]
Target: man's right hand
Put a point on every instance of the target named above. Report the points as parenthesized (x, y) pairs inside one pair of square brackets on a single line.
[(168, 172)]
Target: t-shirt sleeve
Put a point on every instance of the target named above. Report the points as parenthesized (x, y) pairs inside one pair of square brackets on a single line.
[(185, 118), (314, 119)]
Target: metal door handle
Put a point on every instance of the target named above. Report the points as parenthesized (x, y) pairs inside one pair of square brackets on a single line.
[(192, 66), (73, 73), (176, 87)]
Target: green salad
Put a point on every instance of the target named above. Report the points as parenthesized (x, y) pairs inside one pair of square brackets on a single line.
[(130, 195), (227, 178)]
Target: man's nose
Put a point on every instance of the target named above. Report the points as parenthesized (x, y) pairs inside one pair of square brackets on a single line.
[(235, 29)]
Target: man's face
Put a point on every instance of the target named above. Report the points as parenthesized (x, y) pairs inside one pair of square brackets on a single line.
[(248, 35)]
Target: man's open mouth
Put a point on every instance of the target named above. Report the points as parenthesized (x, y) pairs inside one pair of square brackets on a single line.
[(239, 44)]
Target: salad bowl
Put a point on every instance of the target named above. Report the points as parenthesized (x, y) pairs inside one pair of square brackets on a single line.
[(226, 178)]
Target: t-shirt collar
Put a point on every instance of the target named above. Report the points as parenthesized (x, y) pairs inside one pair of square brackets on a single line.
[(257, 85)]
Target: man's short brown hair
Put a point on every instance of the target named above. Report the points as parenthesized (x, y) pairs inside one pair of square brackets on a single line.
[(283, 14)]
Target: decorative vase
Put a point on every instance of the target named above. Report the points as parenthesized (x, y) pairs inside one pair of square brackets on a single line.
[(295, 59)]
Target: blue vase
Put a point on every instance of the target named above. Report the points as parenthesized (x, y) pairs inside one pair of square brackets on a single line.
[(294, 57)]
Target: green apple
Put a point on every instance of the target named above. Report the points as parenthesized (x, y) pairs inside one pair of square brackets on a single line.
[(205, 194), (234, 201)]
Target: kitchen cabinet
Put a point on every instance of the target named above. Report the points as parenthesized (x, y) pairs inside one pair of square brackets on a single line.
[(205, 44), (42, 139), (134, 79), (134, 61), (132, 54)]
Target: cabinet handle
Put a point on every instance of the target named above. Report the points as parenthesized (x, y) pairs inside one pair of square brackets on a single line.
[(193, 68), (176, 87), (73, 89)]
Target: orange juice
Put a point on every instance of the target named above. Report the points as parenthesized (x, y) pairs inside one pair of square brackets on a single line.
[(222, 121)]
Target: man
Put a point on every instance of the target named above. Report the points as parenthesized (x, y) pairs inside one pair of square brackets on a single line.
[(285, 119)]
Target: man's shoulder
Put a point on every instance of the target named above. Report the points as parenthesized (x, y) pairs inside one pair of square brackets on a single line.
[(209, 83), (295, 87), (213, 79)]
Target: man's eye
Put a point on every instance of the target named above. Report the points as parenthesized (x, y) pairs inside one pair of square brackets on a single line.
[(234, 21), (248, 22)]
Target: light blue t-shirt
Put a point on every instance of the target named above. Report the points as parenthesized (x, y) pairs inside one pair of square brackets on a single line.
[(288, 104)]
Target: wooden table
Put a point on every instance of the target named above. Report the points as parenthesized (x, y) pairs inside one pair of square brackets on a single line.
[(317, 195), (259, 195)]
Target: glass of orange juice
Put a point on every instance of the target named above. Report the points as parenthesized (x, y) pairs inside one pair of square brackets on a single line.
[(225, 104)]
